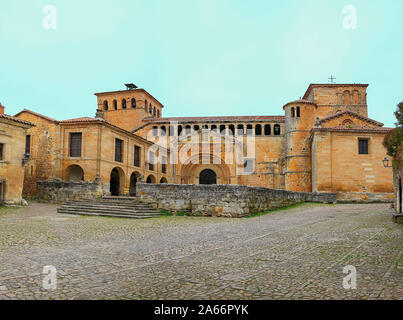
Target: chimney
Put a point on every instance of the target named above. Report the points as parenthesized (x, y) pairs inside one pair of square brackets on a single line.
[(1, 109)]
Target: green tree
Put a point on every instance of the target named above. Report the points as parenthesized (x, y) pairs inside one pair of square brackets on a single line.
[(393, 141)]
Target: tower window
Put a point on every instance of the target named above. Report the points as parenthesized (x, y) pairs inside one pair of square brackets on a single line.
[(1, 151), (258, 130), (249, 130), (222, 130), (292, 112), (163, 131), (150, 109), (124, 104), (298, 112), (115, 105), (231, 129), (240, 129), (277, 130), (267, 130), (158, 113), (134, 103), (362, 146), (145, 105), (105, 105)]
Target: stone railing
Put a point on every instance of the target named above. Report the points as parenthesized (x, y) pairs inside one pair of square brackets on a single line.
[(58, 191), (223, 200)]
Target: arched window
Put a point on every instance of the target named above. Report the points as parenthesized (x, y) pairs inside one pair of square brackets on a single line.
[(187, 129), (222, 130), (249, 130), (158, 113), (180, 128), (133, 103), (356, 97), (231, 129), (154, 111), (258, 130), (267, 130), (124, 104), (298, 112), (145, 105), (155, 131), (277, 130), (240, 129), (115, 105), (196, 127), (163, 131), (105, 105), (150, 108), (214, 128), (292, 112)]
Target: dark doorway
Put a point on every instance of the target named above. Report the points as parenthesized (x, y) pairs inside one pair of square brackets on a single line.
[(115, 183), (2, 191), (208, 176), (400, 195), (133, 181)]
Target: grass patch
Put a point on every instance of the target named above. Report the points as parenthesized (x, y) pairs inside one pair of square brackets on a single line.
[(178, 214), (291, 206)]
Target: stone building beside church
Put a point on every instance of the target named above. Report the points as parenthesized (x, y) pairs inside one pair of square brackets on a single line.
[(324, 142)]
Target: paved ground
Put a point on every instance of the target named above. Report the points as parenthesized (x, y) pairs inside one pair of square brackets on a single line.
[(288, 254)]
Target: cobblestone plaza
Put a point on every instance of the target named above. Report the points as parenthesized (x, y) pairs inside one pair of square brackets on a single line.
[(298, 253)]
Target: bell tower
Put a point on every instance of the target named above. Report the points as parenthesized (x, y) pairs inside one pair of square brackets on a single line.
[(128, 108)]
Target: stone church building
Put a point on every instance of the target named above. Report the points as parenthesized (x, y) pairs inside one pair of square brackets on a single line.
[(324, 142)]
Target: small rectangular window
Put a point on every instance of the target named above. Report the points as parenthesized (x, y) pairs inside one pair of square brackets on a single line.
[(151, 161), (1, 151), (28, 144), (75, 144), (363, 146), (118, 150), (164, 164), (137, 153)]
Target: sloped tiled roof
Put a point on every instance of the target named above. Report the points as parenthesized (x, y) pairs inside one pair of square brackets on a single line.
[(38, 115), (7, 117), (353, 114)]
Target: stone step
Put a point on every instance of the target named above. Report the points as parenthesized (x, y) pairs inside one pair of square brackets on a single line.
[(109, 205), (105, 214), (90, 209)]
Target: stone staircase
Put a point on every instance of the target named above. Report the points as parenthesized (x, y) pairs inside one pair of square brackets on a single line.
[(120, 207)]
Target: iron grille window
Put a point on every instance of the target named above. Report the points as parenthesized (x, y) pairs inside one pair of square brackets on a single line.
[(363, 146), (137, 152), (267, 130), (75, 144), (1, 151), (277, 130), (118, 150), (28, 144)]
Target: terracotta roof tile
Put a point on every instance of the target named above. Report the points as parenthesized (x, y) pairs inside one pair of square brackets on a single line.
[(7, 117), (37, 114)]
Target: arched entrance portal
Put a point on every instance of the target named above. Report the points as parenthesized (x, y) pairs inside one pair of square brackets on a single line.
[(115, 182), (208, 176), (133, 182)]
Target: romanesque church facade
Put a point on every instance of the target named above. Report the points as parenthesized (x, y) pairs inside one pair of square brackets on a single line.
[(324, 142)]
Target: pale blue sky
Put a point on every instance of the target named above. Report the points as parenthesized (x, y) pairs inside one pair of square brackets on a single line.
[(198, 57)]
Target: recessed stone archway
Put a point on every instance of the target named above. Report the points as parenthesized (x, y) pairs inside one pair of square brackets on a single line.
[(134, 178), (150, 179), (207, 176), (117, 181), (75, 173)]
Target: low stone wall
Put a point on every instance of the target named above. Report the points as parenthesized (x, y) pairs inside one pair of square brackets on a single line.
[(58, 191), (223, 200), (365, 197)]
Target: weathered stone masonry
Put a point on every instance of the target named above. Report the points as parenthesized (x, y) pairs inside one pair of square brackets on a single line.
[(58, 191), (223, 200)]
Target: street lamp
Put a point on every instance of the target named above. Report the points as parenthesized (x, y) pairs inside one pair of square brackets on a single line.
[(386, 163)]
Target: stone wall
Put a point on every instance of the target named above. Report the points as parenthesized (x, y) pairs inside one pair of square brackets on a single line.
[(223, 200), (365, 197), (58, 191)]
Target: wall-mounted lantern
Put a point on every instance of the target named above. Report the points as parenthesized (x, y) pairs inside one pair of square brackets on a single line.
[(386, 163)]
